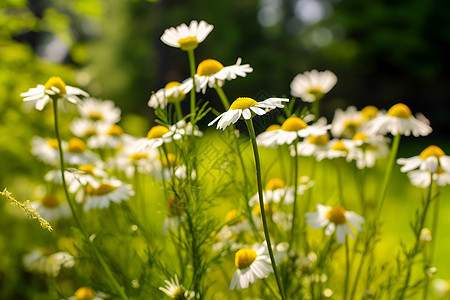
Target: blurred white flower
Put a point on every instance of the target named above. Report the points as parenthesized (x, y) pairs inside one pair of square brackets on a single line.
[(109, 190), (313, 85), (47, 262), (175, 290), (51, 208), (187, 38), (173, 92), (99, 110)]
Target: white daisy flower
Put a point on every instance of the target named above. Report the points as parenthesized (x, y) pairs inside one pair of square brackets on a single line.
[(211, 72), (77, 178), (428, 160), (175, 290), (99, 110), (108, 136), (336, 148), (51, 209), (156, 136), (398, 120), (367, 149), (84, 128), (87, 293), (262, 140), (346, 123), (312, 85), (314, 145), (422, 178), (441, 287), (181, 129), (246, 107), (173, 92), (47, 262), (55, 86), (251, 265), (187, 38), (77, 153), (275, 191), (291, 130), (47, 150), (109, 190), (337, 219)]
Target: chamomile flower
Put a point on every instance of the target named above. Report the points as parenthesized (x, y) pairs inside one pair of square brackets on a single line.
[(346, 123), (181, 128), (99, 110), (109, 190), (367, 149), (246, 108), (84, 128), (108, 136), (173, 92), (313, 85), (77, 178), (51, 208), (87, 293), (46, 150), (47, 262), (422, 178), (428, 160), (314, 145), (211, 72), (250, 265), (77, 153), (335, 218), (398, 120), (54, 87), (336, 148), (275, 191), (175, 290), (187, 38), (156, 136)]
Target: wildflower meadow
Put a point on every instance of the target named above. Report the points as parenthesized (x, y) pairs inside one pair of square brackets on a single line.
[(209, 191)]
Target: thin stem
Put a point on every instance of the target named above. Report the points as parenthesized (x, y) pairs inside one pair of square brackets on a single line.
[(387, 174), (294, 204), (178, 110), (340, 186), (347, 269), (222, 96), (74, 211), (192, 68), (315, 109), (251, 131)]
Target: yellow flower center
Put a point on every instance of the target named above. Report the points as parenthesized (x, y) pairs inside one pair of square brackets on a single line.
[(76, 146), (209, 67), (369, 112), (244, 258), (188, 43), (90, 132), (95, 116), (157, 132), (317, 93), (169, 161), (319, 140), (53, 143), (56, 82), (243, 103), (115, 130), (273, 127), (234, 217), (351, 125), (172, 84), (339, 146), (400, 110), (275, 184), (84, 293), (432, 151), (138, 156), (337, 215), (50, 201), (359, 136), (178, 294), (172, 98), (268, 209), (103, 189), (88, 169), (293, 124)]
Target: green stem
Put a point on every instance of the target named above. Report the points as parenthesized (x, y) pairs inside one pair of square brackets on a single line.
[(340, 186), (108, 271), (178, 110), (222, 96), (192, 68), (387, 174), (347, 270), (316, 109), (251, 131)]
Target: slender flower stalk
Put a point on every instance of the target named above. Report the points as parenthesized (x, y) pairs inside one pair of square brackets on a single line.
[(251, 131), (347, 270), (108, 271), (178, 110), (222, 96), (191, 57), (294, 207)]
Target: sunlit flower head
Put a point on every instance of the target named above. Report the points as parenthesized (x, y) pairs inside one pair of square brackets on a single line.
[(54, 87), (211, 72), (313, 85), (46, 150), (187, 37), (46, 261), (78, 178), (430, 159), (181, 128), (173, 92), (346, 123), (84, 128), (156, 136), (175, 290), (99, 110), (314, 145), (250, 265), (336, 148), (51, 208), (109, 190), (367, 149), (87, 293), (107, 136), (77, 153), (335, 218), (398, 120), (246, 108), (275, 191)]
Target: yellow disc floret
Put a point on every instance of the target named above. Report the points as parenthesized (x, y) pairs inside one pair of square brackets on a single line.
[(316, 92), (337, 215), (234, 217), (244, 258), (88, 169), (319, 140), (157, 132), (268, 210), (138, 156), (293, 124), (53, 143), (95, 116), (56, 82), (400, 110), (273, 127), (172, 98), (188, 43), (50, 201), (169, 161), (76, 146), (103, 189), (339, 146), (360, 136), (209, 67), (432, 151), (84, 293), (115, 130), (369, 112), (243, 103), (275, 184)]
